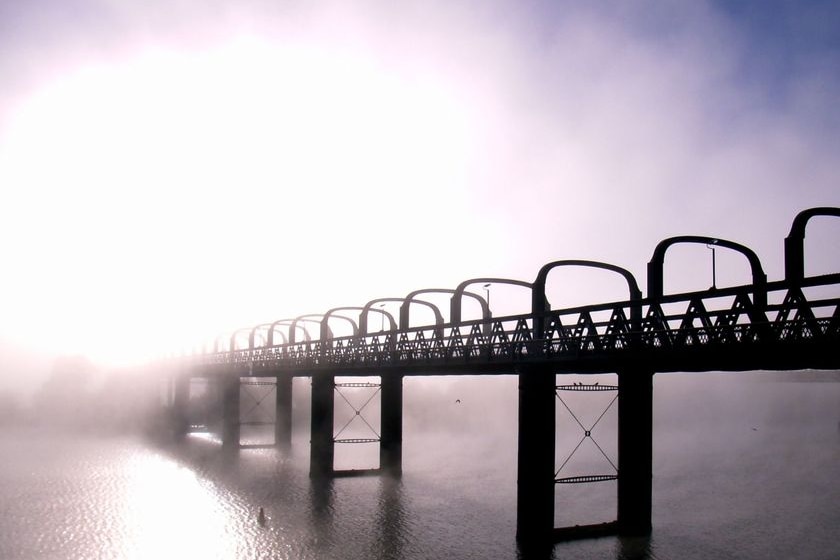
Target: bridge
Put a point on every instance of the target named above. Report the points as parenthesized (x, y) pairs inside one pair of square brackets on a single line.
[(788, 324)]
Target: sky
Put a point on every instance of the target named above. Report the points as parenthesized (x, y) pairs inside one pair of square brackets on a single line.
[(170, 171)]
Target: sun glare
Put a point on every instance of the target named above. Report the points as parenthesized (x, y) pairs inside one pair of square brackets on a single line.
[(169, 512), (139, 192)]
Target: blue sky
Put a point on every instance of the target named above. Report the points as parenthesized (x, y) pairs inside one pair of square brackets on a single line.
[(171, 170)]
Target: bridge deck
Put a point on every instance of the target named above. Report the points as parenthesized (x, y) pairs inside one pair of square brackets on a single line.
[(728, 330)]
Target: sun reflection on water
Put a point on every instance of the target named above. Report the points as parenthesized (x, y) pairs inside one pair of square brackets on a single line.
[(170, 512)]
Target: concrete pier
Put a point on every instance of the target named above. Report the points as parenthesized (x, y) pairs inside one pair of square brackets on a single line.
[(180, 403), (322, 444), (535, 470), (230, 412), (390, 445), (635, 450), (283, 416)]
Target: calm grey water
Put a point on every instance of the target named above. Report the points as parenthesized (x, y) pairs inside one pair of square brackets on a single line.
[(743, 468)]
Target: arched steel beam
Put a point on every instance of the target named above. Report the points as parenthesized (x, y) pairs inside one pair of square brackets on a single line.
[(485, 306), (309, 317), (656, 264), (459, 292), (269, 335), (326, 333), (363, 318), (252, 335), (236, 333), (286, 340), (795, 241), (221, 341), (539, 302)]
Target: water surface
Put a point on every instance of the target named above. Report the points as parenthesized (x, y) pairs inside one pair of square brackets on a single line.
[(743, 468)]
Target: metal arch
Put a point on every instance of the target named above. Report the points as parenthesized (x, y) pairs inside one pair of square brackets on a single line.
[(236, 333), (485, 306), (540, 304), (326, 334), (657, 261), (795, 241), (270, 335), (221, 336), (455, 309), (368, 307), (291, 324), (309, 317), (363, 330)]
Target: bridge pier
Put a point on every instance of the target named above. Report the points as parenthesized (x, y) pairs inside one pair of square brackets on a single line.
[(180, 403), (283, 416), (635, 450), (230, 412), (390, 444), (322, 444), (535, 465)]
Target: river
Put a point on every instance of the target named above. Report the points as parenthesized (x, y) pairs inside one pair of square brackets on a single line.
[(745, 466)]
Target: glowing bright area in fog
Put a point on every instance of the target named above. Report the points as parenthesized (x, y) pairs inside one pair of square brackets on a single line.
[(174, 172), (168, 512), (147, 192)]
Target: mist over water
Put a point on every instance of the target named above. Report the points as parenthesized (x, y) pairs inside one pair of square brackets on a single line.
[(744, 467), (174, 170)]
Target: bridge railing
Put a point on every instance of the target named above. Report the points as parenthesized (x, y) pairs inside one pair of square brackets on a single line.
[(783, 312)]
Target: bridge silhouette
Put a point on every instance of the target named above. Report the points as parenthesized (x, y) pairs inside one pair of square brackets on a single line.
[(788, 324)]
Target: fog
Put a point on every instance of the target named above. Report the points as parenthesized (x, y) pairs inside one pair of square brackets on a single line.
[(747, 452), (169, 173)]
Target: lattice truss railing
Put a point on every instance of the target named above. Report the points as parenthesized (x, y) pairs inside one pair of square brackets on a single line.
[(726, 317)]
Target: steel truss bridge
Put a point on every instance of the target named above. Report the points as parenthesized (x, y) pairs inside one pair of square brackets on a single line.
[(788, 324)]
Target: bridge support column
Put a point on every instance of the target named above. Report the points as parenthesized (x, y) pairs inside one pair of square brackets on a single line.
[(230, 412), (635, 450), (283, 417), (390, 445), (180, 403), (322, 444), (535, 477), (214, 400)]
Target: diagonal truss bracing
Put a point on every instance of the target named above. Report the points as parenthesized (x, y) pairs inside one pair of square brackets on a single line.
[(715, 325), (376, 390), (266, 392), (587, 433)]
